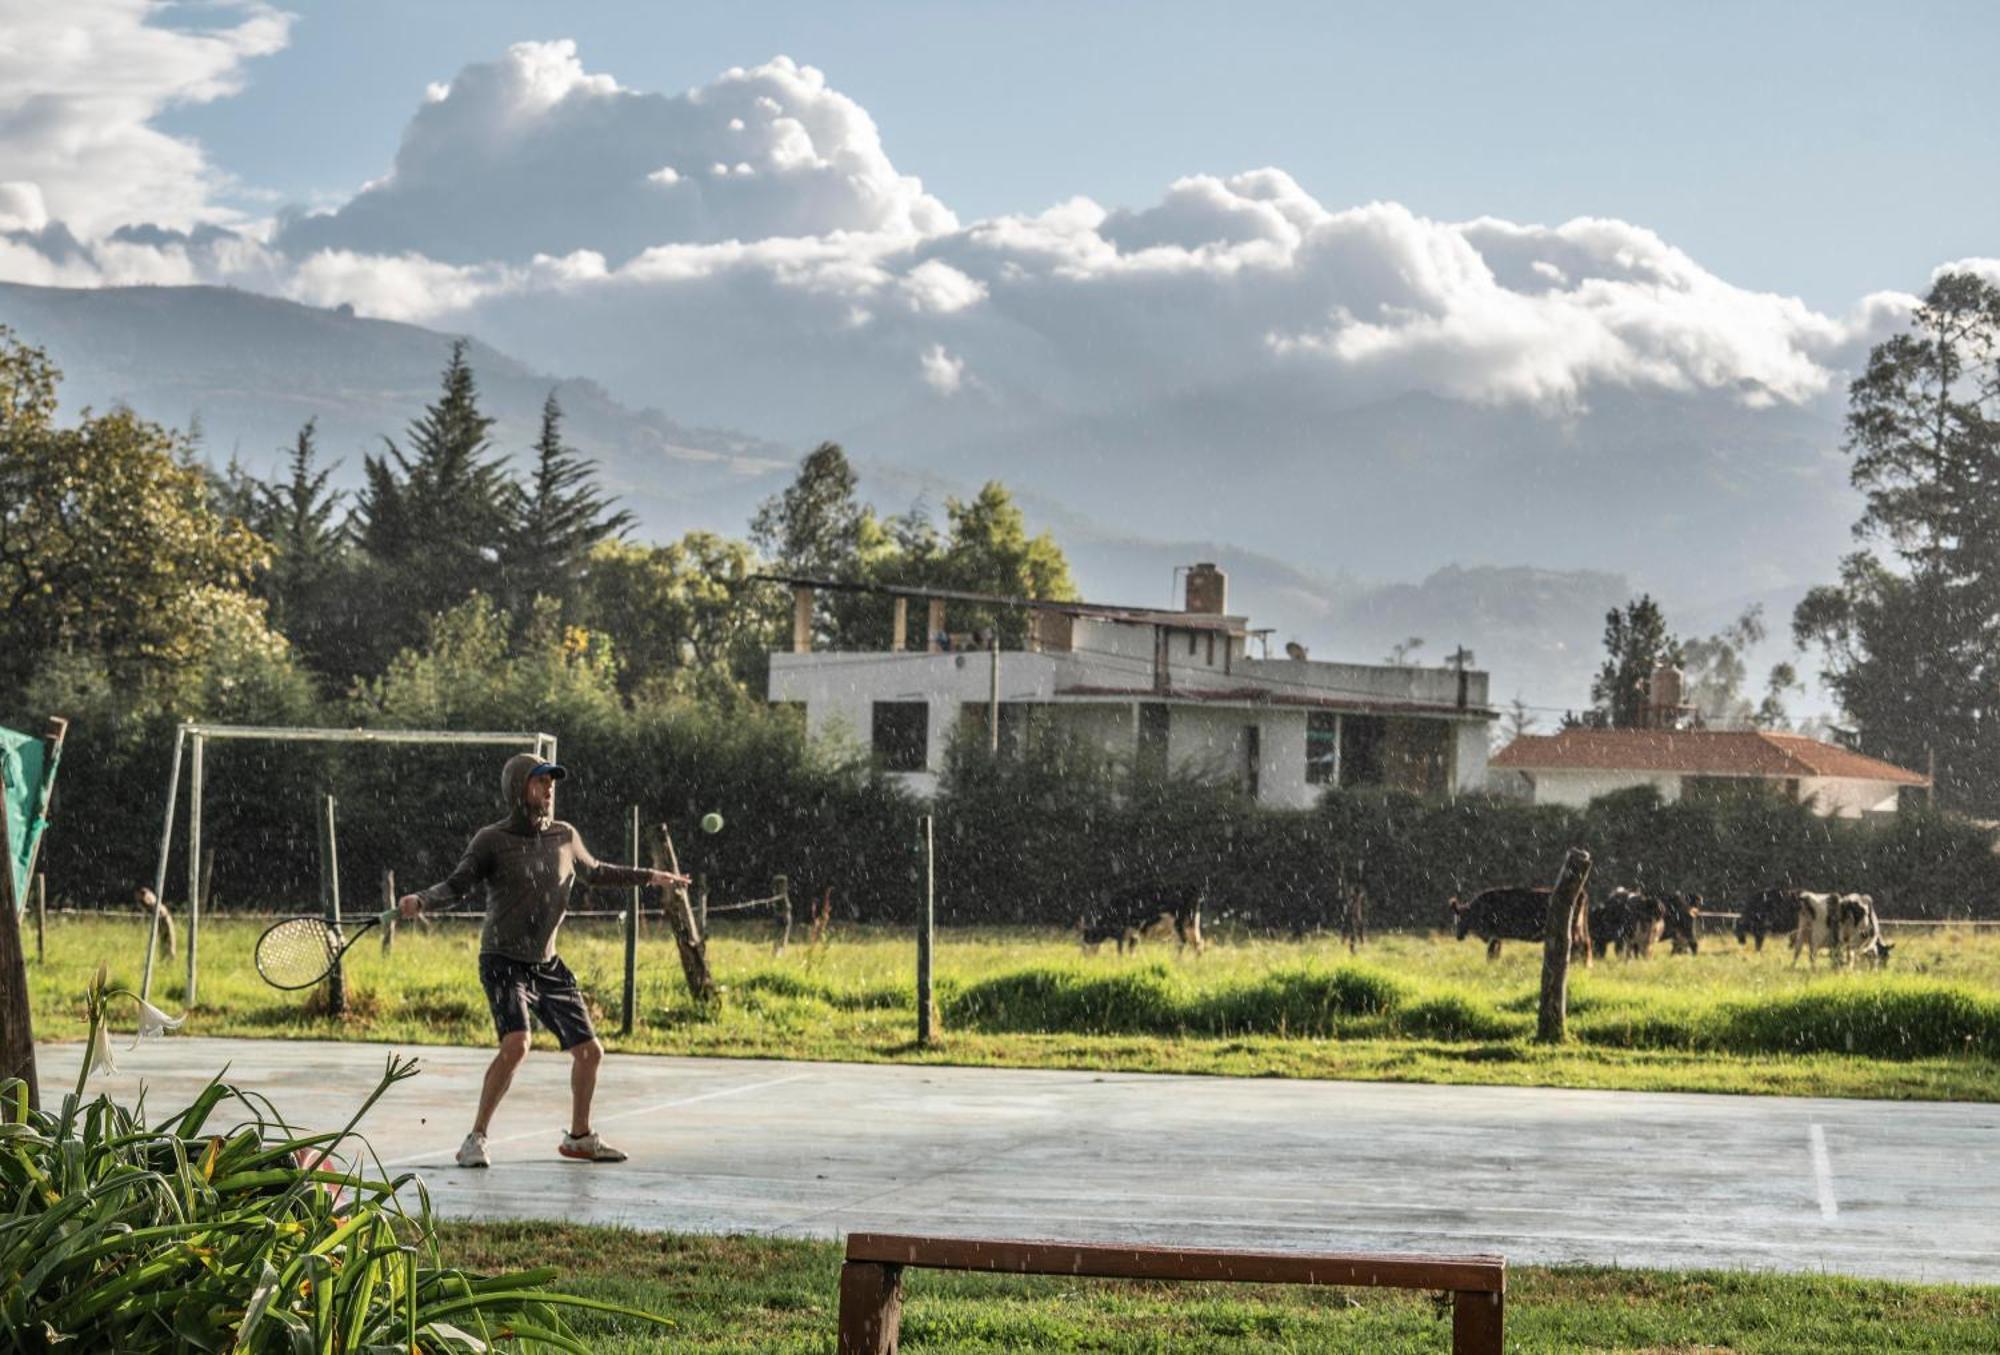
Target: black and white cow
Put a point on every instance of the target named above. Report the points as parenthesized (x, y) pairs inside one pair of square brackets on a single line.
[(1517, 913), (1628, 920)]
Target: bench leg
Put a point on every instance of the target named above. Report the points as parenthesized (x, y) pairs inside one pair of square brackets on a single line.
[(871, 1308), (1477, 1319)]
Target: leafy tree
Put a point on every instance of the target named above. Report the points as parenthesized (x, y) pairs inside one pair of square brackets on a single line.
[(815, 528), (109, 543), (1636, 642), (1402, 654), (682, 615), (560, 516), (988, 550), (1911, 647), (436, 516)]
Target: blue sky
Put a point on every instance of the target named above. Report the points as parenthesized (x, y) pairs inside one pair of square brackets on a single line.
[(1822, 150)]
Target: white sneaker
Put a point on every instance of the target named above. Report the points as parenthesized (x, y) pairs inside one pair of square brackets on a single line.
[(588, 1148), (472, 1153)]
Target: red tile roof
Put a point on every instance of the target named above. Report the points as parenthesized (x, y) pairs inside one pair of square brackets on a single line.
[(1700, 752)]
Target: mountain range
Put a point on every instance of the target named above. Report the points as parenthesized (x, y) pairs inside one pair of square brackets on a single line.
[(1352, 531)]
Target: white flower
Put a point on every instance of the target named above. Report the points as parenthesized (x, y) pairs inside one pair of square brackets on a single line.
[(153, 1021), (100, 1051)]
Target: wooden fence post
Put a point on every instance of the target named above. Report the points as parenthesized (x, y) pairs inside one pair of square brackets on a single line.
[(329, 894), (680, 916), (389, 906), (1564, 901), (782, 887), (41, 917), (625, 1010), (927, 1013)]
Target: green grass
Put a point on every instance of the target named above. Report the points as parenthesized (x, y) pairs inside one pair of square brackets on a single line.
[(740, 1294), (1411, 1008)]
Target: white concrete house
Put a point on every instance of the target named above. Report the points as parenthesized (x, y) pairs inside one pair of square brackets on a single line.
[(1178, 687), (1578, 765)]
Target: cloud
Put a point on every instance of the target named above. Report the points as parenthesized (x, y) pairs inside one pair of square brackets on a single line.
[(533, 155), (747, 253), (943, 373), (81, 82)]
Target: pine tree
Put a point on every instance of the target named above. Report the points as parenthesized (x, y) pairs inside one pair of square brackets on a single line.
[(1635, 643), (560, 517), (436, 517), (303, 586)]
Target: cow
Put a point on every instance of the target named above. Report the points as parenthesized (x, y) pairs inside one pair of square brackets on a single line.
[(1125, 916), (1683, 921), (1815, 926), (1628, 920), (1773, 912), (1858, 932), (1517, 913)]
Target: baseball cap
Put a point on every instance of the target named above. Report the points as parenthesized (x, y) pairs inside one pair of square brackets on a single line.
[(554, 770)]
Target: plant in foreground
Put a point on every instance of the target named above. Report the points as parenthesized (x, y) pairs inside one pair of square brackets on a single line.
[(186, 1235)]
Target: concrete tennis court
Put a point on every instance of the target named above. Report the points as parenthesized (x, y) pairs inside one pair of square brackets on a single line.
[(1908, 1190)]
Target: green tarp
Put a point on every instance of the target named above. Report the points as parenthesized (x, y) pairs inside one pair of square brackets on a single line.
[(24, 766)]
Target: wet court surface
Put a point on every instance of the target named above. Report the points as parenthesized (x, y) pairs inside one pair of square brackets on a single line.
[(1900, 1189)]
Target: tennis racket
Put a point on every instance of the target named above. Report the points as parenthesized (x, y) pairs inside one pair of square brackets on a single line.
[(300, 951)]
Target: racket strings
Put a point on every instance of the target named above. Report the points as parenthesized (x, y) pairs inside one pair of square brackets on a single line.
[(294, 954)]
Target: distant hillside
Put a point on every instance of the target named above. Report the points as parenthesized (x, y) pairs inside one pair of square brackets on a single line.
[(252, 369)]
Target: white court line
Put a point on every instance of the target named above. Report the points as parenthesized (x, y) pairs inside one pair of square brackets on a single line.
[(1823, 1173), (621, 1115)]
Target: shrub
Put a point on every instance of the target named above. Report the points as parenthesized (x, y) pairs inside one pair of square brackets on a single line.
[(188, 1235)]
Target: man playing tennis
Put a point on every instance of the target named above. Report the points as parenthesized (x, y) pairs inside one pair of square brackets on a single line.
[(528, 863)]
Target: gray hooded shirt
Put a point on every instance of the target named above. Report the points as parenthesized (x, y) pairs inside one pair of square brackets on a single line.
[(528, 866)]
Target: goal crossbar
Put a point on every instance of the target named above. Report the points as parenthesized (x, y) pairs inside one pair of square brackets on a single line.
[(192, 738)]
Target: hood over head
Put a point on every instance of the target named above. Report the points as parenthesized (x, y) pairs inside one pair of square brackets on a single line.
[(514, 776)]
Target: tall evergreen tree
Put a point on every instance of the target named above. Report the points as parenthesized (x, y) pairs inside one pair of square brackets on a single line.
[(434, 518), (1911, 647), (310, 583), (560, 517), (1635, 643)]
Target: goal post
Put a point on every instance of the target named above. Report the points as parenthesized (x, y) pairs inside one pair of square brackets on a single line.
[(190, 743)]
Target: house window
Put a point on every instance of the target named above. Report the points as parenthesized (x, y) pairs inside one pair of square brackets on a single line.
[(1210, 660), (1191, 639), (1152, 751), (1361, 740), (1253, 756), (902, 735), (1322, 747)]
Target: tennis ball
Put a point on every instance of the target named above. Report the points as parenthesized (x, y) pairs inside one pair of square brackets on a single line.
[(711, 822)]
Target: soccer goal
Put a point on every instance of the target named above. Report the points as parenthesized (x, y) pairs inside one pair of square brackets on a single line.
[(190, 741)]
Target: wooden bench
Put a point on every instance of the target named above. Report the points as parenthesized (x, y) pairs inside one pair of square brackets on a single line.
[(871, 1281)]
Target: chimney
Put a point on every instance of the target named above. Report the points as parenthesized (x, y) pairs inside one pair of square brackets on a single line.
[(1207, 590)]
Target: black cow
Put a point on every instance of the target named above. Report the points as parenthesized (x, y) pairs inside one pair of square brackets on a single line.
[(1683, 921), (1517, 913), (1125, 916), (1775, 912), (1628, 920)]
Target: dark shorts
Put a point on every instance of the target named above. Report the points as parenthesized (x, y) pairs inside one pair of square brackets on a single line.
[(514, 987)]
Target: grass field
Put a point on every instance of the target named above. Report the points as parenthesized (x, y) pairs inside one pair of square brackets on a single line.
[(1410, 1008), (769, 1296)]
